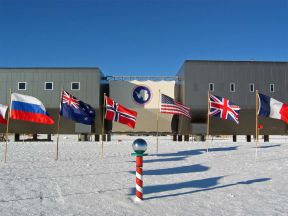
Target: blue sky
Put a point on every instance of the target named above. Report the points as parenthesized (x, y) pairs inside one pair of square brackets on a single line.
[(140, 37)]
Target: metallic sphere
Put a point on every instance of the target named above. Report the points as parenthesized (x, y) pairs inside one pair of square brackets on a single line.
[(139, 146)]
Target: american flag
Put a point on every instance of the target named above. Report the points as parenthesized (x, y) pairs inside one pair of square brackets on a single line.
[(117, 112), (223, 108), (170, 106)]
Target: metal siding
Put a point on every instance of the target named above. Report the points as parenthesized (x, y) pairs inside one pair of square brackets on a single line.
[(61, 77), (221, 73)]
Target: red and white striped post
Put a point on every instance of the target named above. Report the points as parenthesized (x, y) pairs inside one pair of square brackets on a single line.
[(139, 146), (139, 178)]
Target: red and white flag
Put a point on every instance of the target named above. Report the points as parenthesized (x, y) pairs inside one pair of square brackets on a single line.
[(3, 110), (170, 106), (117, 112)]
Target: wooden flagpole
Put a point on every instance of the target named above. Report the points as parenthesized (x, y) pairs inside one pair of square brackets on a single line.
[(256, 127), (58, 126), (208, 120), (157, 135), (7, 129), (103, 122)]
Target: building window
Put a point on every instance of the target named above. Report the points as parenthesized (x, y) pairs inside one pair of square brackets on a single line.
[(75, 85), (251, 87), (22, 85), (211, 87), (48, 86), (232, 87), (272, 87)]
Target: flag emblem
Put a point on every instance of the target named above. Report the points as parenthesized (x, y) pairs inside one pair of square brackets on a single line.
[(223, 108)]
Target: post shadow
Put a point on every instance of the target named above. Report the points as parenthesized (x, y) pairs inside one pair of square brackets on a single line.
[(175, 170), (205, 185)]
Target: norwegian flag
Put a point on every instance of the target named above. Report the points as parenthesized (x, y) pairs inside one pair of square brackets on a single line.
[(223, 108), (117, 112)]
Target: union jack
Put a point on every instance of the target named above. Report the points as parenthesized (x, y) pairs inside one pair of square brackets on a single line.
[(117, 112), (223, 108), (70, 100)]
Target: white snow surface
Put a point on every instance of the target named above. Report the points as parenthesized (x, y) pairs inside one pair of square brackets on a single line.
[(182, 179)]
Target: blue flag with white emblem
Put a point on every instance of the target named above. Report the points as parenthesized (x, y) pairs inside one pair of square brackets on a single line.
[(76, 110)]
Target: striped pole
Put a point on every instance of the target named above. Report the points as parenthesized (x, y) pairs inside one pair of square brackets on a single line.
[(139, 178)]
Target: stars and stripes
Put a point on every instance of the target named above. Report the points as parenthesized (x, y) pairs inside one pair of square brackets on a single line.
[(117, 112), (223, 108), (170, 106)]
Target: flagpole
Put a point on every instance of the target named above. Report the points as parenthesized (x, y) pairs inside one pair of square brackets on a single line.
[(7, 129), (256, 127), (208, 120), (58, 127), (157, 123), (103, 122)]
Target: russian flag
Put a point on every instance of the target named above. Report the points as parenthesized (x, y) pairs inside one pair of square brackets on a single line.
[(3, 110), (28, 108), (269, 107)]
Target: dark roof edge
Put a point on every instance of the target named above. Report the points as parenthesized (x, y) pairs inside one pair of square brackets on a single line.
[(50, 68), (250, 61)]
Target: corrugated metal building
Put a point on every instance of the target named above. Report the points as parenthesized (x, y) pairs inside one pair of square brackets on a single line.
[(46, 84), (237, 81)]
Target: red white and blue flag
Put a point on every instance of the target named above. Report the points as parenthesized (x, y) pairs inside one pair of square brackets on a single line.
[(76, 110), (170, 106), (223, 108), (28, 108), (269, 107), (3, 110), (117, 112)]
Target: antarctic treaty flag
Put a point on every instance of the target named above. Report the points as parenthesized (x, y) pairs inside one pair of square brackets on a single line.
[(3, 110), (28, 108), (269, 107), (76, 110), (117, 112), (223, 108)]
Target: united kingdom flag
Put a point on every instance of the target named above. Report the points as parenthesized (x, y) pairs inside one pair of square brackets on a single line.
[(223, 108), (117, 112)]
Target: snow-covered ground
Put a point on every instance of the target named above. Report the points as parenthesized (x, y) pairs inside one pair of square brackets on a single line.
[(181, 180)]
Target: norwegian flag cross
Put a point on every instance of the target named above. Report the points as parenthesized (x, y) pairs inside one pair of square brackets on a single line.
[(117, 112)]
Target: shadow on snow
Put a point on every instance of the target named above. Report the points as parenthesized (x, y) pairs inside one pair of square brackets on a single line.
[(175, 170), (269, 146), (204, 185), (196, 152)]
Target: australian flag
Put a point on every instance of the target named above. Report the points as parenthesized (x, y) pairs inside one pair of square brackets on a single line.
[(76, 110), (223, 108)]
